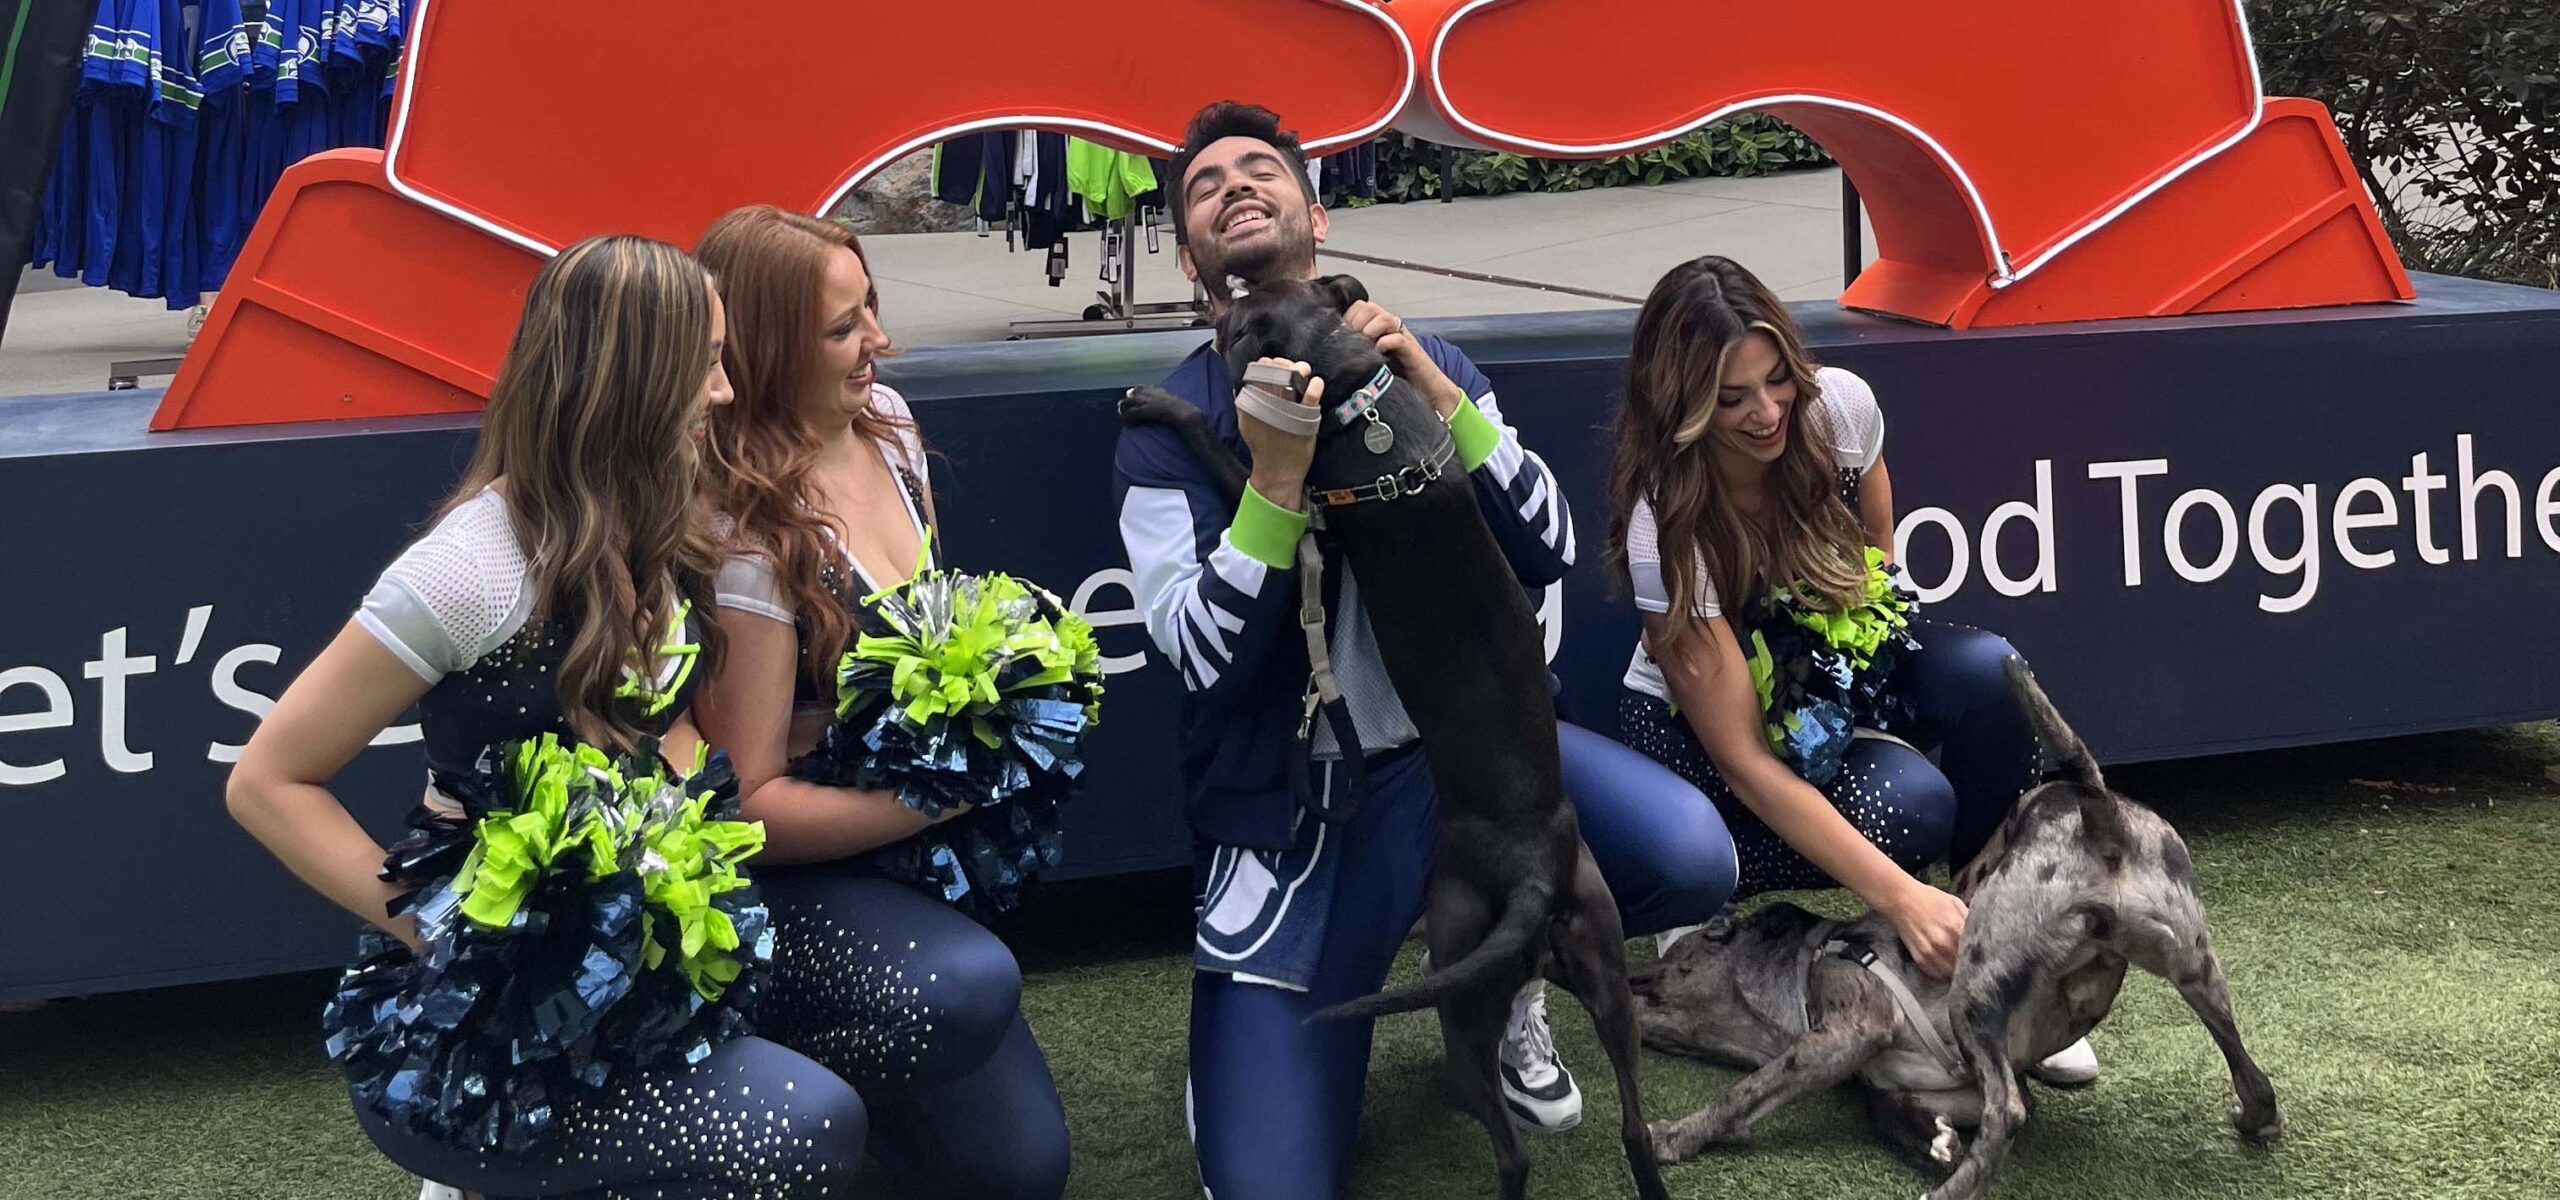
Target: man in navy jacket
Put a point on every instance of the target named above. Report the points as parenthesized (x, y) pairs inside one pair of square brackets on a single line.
[(1297, 915)]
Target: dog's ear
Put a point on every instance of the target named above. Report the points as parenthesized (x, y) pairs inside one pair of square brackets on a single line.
[(1344, 290)]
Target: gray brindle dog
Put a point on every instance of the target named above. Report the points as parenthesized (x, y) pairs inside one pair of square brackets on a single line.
[(2076, 884)]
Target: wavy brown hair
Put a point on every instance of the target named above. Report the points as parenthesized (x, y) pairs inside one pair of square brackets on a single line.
[(771, 262), (1810, 542), (590, 424)]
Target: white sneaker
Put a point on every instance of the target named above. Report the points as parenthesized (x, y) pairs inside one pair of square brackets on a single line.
[(429, 1189), (1535, 1086), (1663, 941), (2074, 1064)]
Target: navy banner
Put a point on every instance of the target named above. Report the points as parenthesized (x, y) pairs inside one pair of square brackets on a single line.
[(2209, 534)]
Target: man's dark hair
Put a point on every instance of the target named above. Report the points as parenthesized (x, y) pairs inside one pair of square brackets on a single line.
[(1226, 119)]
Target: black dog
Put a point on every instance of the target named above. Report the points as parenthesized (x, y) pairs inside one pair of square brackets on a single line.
[(1514, 890), (2078, 882)]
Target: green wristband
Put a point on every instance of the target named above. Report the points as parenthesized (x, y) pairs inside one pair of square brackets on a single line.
[(1267, 533), (1476, 434)]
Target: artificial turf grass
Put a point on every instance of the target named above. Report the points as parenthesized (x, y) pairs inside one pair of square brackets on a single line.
[(2390, 950), (2390, 958)]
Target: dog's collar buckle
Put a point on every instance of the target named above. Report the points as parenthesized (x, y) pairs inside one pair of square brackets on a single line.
[(1364, 403)]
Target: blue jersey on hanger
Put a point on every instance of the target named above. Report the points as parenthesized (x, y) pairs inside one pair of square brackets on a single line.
[(186, 115), (133, 25), (177, 115), (152, 129), (353, 100), (378, 28), (395, 32), (262, 152), (302, 79), (225, 42), (343, 47), (60, 212), (109, 95), (64, 230)]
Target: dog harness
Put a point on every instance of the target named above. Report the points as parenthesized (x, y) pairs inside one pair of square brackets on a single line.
[(1913, 1012), (1324, 692), (1379, 438)]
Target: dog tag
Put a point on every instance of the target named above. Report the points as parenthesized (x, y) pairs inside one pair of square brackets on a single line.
[(1377, 437)]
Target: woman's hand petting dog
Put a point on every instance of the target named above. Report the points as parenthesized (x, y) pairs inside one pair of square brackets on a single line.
[(1931, 924), (1280, 457), (1404, 353)]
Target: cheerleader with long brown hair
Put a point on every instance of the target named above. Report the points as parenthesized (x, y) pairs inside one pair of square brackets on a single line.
[(561, 593), (1781, 669)]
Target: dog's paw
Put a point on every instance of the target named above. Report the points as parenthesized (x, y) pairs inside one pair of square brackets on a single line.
[(1151, 406), (2262, 1126), (1944, 1147), (1666, 1141)]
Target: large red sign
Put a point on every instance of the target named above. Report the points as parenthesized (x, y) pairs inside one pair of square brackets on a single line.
[(2022, 161)]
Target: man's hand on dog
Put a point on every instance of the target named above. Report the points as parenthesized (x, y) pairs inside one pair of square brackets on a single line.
[(1931, 924), (1279, 457), (1404, 353)]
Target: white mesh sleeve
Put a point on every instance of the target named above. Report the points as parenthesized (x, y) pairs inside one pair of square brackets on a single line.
[(746, 583), (910, 443), (1644, 568), (1857, 422), (453, 595)]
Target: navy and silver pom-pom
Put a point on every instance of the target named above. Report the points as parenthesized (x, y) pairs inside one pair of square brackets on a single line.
[(584, 916), (965, 691)]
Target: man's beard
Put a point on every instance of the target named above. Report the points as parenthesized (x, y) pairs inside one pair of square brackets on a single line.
[(1291, 252)]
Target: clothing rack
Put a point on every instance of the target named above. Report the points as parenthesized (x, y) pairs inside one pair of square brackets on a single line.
[(185, 115), (1117, 310)]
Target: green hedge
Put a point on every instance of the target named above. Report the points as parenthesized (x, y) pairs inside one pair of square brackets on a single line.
[(1747, 145), (2451, 109)]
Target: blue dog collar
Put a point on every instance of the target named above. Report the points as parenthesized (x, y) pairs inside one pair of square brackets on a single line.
[(1362, 401)]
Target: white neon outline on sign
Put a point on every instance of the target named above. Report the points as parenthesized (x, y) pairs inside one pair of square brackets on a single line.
[(419, 36), (2003, 274)]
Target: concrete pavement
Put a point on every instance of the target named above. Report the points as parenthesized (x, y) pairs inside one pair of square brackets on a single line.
[(945, 288)]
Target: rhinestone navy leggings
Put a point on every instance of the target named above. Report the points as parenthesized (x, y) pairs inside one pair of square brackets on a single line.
[(1916, 811), (891, 1020)]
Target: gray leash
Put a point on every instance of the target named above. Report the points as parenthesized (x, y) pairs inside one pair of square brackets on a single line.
[(1913, 1012), (1270, 394)]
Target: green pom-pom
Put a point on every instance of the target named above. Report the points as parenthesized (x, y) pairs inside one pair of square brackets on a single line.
[(1882, 610), (555, 786), (579, 811), (959, 645), (685, 862), (1084, 660)]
